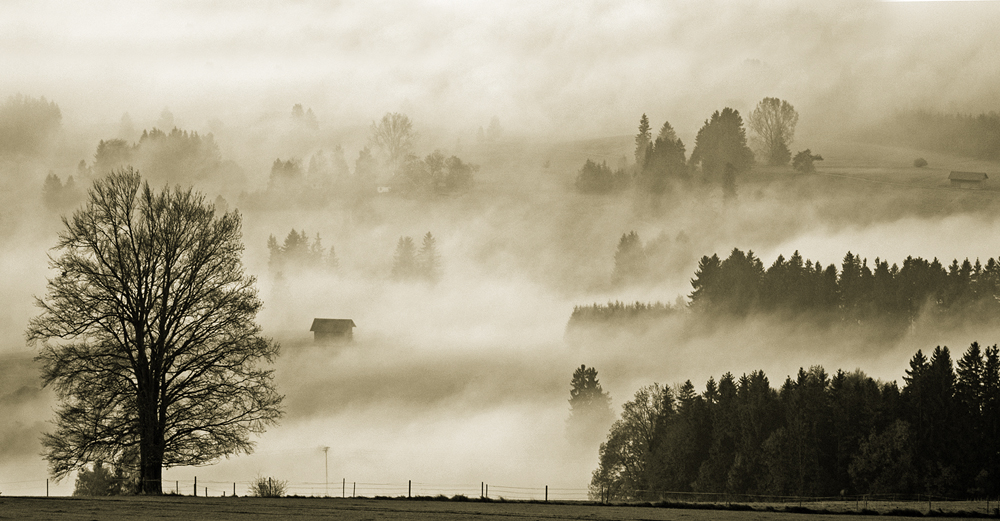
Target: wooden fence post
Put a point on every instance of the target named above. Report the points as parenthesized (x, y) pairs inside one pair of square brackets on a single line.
[(196, 486), (409, 488), (546, 493)]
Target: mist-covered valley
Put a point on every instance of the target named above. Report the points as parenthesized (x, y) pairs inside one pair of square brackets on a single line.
[(465, 378)]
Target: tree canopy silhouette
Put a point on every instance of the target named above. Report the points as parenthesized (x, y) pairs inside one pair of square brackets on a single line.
[(773, 123), (148, 336)]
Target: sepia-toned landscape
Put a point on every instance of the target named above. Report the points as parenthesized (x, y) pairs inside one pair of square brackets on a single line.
[(633, 253)]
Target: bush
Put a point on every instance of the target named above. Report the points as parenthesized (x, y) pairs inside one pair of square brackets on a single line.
[(99, 480), (268, 487), (919, 162), (803, 161)]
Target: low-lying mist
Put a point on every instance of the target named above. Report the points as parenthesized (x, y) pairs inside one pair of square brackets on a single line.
[(466, 379)]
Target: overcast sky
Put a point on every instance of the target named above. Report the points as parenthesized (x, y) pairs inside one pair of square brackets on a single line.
[(572, 68)]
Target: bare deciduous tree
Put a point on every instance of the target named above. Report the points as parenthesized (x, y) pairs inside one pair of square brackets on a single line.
[(773, 122), (393, 136), (148, 335)]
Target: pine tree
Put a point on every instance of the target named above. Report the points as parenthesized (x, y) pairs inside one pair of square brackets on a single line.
[(590, 407), (630, 260), (428, 261), (642, 142), (405, 266)]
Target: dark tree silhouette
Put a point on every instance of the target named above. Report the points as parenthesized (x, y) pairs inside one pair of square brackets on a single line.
[(815, 436), (147, 334), (589, 406), (803, 161), (721, 141), (642, 142), (623, 458), (664, 162)]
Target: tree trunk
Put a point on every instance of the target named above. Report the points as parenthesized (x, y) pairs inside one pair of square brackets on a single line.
[(150, 446)]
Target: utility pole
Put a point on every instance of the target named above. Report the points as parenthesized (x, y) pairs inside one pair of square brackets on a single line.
[(326, 469)]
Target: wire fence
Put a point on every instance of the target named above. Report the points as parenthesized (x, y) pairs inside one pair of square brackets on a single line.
[(344, 488)]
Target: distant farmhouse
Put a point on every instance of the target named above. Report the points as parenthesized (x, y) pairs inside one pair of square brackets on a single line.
[(332, 330), (970, 180)]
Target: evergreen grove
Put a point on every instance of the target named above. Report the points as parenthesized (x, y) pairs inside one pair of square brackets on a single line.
[(883, 295), (815, 436)]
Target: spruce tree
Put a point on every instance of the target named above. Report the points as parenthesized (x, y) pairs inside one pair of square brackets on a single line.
[(428, 261), (405, 262), (642, 141)]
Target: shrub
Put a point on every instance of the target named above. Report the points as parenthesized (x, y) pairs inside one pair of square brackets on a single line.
[(919, 162), (803, 161), (267, 487)]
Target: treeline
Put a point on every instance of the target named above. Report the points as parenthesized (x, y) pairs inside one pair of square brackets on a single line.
[(815, 436), (962, 134), (297, 253), (619, 312), (857, 292), (27, 126), (166, 156), (412, 264), (328, 174), (387, 164), (721, 153), (661, 163)]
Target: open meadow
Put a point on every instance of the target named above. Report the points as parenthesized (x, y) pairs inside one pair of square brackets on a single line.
[(253, 509)]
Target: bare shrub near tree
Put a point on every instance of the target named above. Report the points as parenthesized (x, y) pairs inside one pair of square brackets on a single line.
[(147, 334), (268, 487), (773, 123)]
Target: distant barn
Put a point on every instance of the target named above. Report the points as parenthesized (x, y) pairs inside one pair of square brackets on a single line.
[(971, 180), (332, 330)]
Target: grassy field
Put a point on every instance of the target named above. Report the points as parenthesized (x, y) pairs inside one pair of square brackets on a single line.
[(191, 509)]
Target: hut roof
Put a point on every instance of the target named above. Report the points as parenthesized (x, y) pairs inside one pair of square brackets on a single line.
[(332, 325), (967, 176)]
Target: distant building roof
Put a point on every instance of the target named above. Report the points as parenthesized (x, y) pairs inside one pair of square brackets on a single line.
[(967, 176), (331, 325)]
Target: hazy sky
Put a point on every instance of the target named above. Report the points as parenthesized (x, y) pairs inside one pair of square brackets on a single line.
[(577, 68)]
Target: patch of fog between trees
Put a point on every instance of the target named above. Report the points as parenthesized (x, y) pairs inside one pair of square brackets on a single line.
[(468, 378)]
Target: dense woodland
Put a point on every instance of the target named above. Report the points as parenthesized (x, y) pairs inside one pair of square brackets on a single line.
[(816, 435), (881, 295)]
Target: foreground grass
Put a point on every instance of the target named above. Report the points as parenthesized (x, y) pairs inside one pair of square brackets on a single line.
[(427, 508)]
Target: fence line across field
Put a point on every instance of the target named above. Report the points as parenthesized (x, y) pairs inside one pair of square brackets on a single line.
[(418, 489)]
